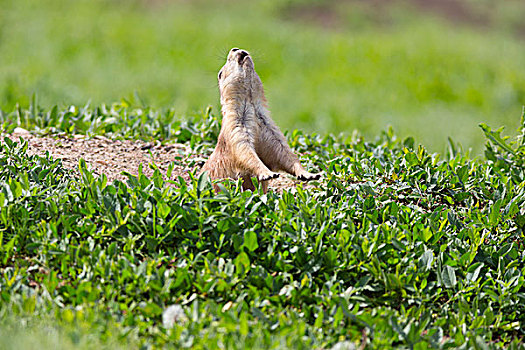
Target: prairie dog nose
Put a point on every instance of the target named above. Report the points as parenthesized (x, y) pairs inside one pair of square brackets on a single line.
[(241, 54), (237, 55)]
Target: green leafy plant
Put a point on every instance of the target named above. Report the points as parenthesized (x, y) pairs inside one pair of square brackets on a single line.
[(507, 156), (394, 247)]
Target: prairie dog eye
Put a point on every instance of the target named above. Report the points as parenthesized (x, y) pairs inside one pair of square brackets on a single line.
[(220, 74)]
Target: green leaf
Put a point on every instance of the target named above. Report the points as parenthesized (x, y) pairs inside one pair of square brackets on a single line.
[(203, 182), (242, 263), (494, 214), (319, 319), (495, 137), (449, 276), (426, 234), (425, 261), (250, 240), (152, 310), (473, 271), (411, 159)]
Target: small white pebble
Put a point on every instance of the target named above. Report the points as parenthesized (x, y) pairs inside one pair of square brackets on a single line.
[(344, 345), (173, 314), (20, 131)]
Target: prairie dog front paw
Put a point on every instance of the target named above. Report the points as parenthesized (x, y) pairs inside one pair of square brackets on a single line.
[(268, 176), (306, 176)]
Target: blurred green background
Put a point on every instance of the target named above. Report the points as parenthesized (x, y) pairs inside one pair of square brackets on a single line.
[(429, 68)]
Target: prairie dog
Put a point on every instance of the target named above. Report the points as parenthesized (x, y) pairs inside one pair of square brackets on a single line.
[(250, 144)]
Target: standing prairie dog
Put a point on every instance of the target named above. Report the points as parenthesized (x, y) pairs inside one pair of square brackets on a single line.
[(249, 143)]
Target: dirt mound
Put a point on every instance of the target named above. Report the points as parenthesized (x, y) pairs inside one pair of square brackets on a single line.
[(114, 157)]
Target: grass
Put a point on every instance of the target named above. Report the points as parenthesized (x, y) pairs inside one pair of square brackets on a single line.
[(424, 76), (408, 249)]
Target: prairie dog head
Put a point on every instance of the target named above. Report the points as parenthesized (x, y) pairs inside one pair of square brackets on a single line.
[(238, 79)]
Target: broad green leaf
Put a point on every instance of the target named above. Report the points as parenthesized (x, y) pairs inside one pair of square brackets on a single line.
[(473, 271), (250, 240), (411, 158), (242, 263), (494, 213), (426, 259), (449, 276)]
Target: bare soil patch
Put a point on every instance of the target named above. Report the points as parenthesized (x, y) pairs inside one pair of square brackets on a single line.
[(457, 11), (327, 14), (115, 157)]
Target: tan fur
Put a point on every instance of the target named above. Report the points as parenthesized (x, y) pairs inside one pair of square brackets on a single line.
[(249, 144)]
